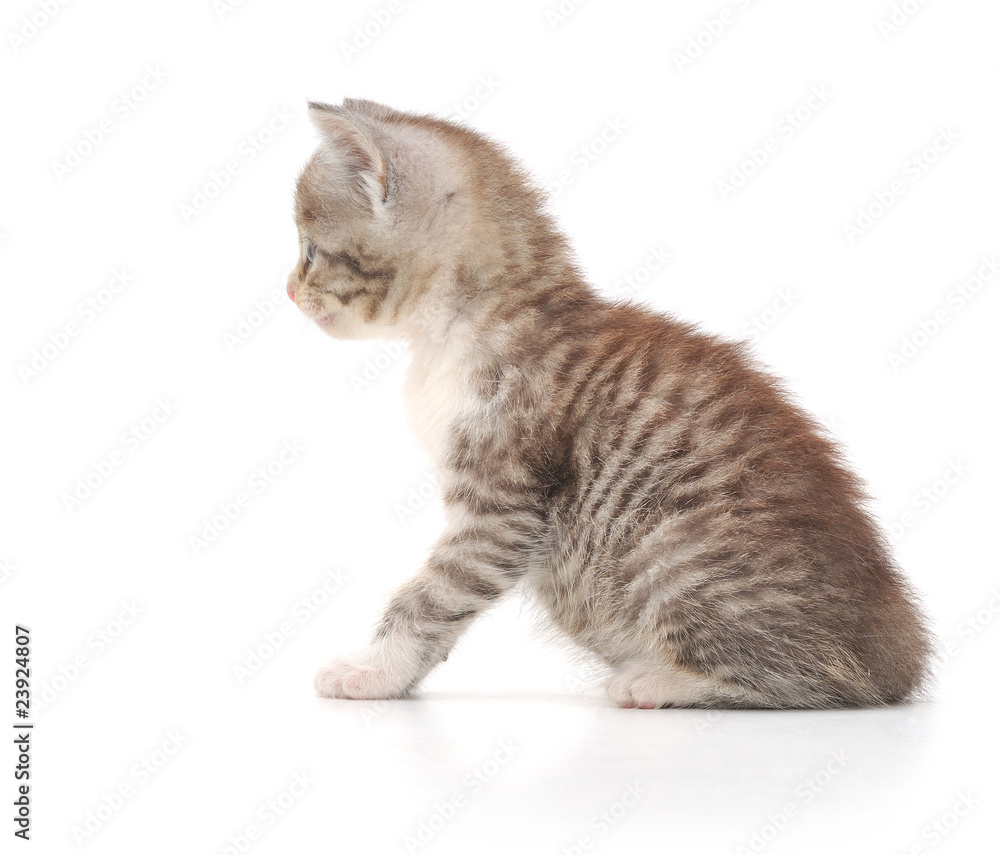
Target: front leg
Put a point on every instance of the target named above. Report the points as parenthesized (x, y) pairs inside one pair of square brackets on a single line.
[(473, 565)]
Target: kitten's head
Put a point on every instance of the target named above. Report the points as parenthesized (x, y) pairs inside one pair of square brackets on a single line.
[(394, 210), (372, 213)]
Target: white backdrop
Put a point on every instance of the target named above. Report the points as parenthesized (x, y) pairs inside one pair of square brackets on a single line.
[(204, 498)]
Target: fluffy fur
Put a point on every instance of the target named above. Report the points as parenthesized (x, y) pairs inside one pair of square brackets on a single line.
[(656, 492)]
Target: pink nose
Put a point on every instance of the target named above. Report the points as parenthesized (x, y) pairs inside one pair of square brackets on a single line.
[(290, 288)]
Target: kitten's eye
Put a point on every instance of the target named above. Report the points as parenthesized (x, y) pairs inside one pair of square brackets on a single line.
[(310, 253)]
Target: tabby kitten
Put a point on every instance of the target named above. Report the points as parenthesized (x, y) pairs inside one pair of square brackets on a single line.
[(656, 492)]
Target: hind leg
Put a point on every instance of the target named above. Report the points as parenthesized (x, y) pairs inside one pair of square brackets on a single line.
[(651, 686)]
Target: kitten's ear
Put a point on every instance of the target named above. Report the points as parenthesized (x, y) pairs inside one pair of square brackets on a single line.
[(352, 152)]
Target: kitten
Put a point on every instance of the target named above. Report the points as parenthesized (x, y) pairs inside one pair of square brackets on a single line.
[(656, 492)]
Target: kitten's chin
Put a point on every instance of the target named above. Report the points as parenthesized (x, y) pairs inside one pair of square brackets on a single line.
[(343, 326), (329, 323)]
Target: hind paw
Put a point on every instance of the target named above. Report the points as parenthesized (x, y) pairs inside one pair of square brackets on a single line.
[(649, 687)]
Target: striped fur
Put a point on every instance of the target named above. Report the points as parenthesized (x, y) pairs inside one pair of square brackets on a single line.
[(651, 487)]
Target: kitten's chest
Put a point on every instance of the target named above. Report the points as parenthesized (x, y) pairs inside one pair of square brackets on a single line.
[(439, 395)]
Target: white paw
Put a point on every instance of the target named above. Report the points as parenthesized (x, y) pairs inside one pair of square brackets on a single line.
[(635, 693), (356, 680), (655, 687)]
